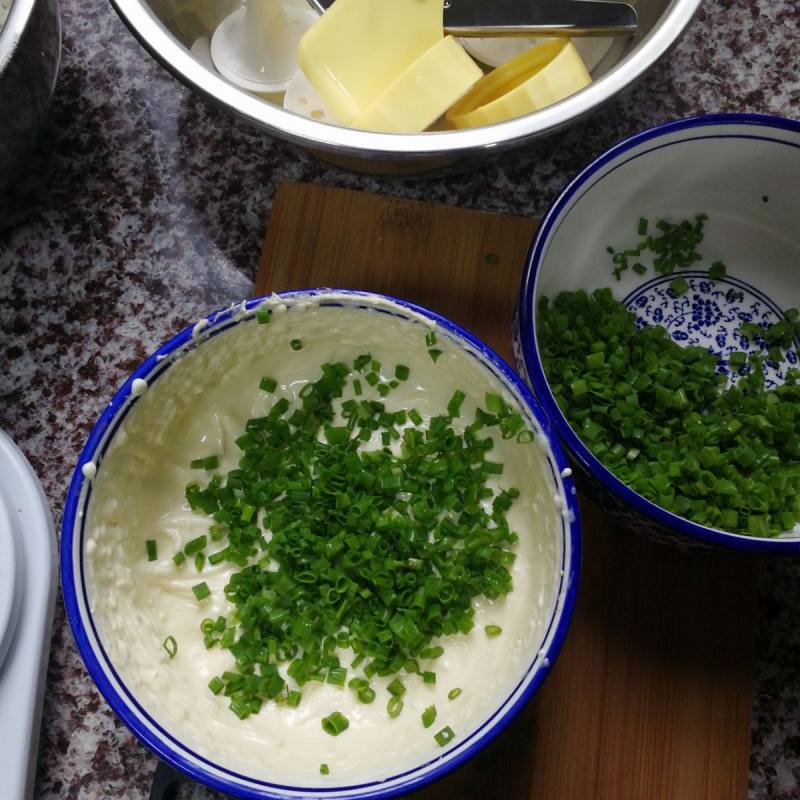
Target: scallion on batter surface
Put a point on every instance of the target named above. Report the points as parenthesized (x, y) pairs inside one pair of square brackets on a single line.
[(342, 547)]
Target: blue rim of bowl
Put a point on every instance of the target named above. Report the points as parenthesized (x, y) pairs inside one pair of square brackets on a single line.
[(100, 437), (530, 352)]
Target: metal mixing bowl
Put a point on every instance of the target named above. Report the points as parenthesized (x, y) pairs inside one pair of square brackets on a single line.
[(167, 28), (30, 47)]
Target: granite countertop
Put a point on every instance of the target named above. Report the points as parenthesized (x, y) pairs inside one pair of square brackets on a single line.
[(145, 207)]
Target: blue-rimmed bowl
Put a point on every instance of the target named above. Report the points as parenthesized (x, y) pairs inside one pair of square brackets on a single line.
[(166, 738), (743, 171)]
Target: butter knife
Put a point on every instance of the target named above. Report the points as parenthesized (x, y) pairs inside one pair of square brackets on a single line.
[(531, 18)]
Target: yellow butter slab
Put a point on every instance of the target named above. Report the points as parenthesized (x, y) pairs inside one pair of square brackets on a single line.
[(358, 47), (418, 97), (532, 80)]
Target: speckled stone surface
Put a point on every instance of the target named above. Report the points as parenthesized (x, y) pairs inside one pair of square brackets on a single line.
[(145, 207)]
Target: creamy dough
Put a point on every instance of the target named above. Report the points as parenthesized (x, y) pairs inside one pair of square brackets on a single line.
[(197, 408)]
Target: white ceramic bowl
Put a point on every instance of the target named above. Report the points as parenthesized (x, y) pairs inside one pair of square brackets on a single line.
[(743, 171), (559, 553)]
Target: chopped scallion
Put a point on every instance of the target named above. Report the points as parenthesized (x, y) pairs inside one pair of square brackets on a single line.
[(152, 549), (171, 646), (429, 716), (444, 736), (201, 590), (335, 723)]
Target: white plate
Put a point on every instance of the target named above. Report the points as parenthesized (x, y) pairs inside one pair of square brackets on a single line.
[(32, 545), (10, 574)]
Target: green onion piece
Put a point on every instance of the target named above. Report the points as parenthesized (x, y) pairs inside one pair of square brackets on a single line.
[(335, 723), (195, 545), (324, 769), (415, 416), (642, 229), (362, 362), (268, 385), (396, 688), (201, 590), (216, 685), (454, 406), (366, 695), (679, 286), (152, 551), (493, 630), (717, 271), (171, 646), (434, 353), (337, 676), (293, 698), (207, 463), (263, 315), (429, 677), (494, 403), (394, 707), (199, 562), (430, 339), (296, 344), (401, 372), (444, 736), (429, 716), (179, 558), (453, 693)]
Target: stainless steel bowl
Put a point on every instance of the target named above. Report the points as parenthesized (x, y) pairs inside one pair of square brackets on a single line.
[(30, 48), (167, 28)]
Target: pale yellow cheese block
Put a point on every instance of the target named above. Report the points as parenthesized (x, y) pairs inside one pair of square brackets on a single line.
[(359, 47), (418, 97), (532, 80)]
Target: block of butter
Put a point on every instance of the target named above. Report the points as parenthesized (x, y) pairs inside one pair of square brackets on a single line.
[(539, 77), (421, 94), (358, 47)]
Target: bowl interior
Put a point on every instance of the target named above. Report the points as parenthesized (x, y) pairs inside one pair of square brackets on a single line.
[(742, 172), (174, 737), (177, 31)]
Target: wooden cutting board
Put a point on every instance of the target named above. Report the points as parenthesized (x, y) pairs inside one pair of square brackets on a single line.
[(650, 698)]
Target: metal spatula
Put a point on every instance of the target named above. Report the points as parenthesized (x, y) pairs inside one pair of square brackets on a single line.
[(531, 17)]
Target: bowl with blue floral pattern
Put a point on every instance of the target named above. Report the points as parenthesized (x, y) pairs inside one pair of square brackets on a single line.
[(658, 326)]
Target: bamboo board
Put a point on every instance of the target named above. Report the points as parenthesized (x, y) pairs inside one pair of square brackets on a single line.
[(651, 696)]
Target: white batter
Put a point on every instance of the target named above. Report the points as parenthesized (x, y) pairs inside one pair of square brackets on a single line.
[(197, 408), (5, 8)]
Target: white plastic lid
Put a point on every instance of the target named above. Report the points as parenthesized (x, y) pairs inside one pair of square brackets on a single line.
[(256, 46)]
